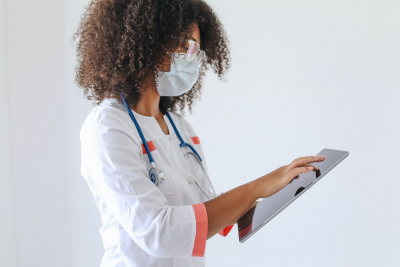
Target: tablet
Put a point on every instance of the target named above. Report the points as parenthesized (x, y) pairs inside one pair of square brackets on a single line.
[(271, 206)]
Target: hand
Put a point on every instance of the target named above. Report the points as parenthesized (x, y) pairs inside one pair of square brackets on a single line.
[(271, 183)]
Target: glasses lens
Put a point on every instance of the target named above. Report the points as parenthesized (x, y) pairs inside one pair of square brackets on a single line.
[(192, 50)]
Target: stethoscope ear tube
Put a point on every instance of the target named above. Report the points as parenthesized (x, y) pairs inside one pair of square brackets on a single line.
[(209, 180)]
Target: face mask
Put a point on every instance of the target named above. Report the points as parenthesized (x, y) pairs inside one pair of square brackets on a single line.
[(181, 78)]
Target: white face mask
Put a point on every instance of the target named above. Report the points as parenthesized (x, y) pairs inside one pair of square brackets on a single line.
[(181, 78)]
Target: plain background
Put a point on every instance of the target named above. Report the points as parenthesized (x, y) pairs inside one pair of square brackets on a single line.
[(306, 75)]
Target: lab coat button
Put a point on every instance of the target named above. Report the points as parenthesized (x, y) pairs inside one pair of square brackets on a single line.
[(190, 182)]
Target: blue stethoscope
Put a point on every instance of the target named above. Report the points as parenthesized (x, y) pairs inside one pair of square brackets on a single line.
[(156, 176)]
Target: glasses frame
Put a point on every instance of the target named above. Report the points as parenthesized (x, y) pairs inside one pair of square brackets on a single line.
[(201, 54)]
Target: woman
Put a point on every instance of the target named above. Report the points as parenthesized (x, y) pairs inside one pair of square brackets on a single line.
[(139, 60)]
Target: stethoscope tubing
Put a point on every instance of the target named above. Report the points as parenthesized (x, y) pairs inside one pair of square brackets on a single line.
[(180, 145), (139, 130), (180, 137), (209, 180)]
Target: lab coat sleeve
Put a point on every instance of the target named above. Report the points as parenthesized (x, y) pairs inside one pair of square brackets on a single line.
[(115, 169), (226, 230)]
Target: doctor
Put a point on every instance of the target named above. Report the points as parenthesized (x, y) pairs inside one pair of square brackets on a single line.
[(144, 162)]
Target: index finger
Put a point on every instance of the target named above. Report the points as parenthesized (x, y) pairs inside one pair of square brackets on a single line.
[(304, 160)]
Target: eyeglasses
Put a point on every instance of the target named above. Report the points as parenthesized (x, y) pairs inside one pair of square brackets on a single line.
[(194, 50)]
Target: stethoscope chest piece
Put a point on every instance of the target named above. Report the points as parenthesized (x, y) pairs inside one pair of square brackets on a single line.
[(157, 177)]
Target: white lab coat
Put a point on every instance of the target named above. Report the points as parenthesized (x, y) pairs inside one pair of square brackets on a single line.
[(145, 225)]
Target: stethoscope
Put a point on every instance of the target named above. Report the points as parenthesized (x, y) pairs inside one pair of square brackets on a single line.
[(156, 176)]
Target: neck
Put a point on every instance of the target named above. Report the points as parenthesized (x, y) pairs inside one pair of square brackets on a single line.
[(149, 103)]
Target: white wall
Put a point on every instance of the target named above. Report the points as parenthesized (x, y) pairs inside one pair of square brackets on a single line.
[(308, 75), (85, 221), (37, 98), (8, 250), (305, 75)]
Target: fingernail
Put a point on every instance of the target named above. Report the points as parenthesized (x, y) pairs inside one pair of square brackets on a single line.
[(316, 156), (310, 168)]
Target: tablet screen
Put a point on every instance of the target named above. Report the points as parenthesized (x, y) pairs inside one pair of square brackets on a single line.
[(269, 207)]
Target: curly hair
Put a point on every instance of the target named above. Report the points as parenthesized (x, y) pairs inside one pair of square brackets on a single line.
[(120, 43)]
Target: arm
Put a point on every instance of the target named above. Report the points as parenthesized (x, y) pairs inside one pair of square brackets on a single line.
[(113, 167), (249, 208), (227, 208), (226, 230), (230, 206)]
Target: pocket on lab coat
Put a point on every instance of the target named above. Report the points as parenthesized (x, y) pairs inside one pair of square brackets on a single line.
[(167, 186)]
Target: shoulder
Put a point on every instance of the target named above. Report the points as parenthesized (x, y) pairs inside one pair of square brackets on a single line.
[(109, 115)]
